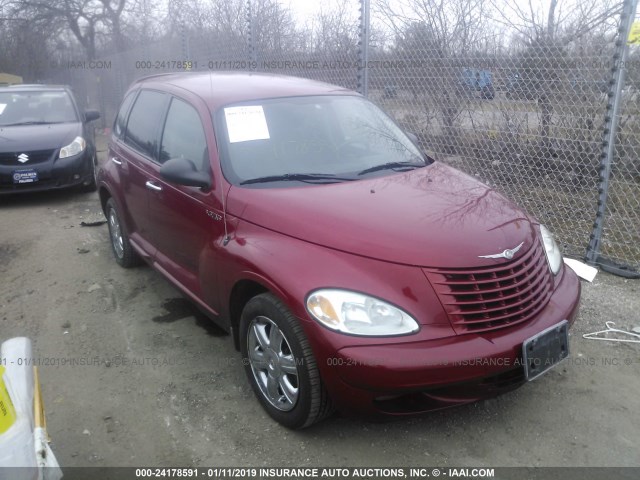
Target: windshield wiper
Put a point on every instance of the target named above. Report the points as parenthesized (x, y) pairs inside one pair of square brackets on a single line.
[(299, 177), (391, 166)]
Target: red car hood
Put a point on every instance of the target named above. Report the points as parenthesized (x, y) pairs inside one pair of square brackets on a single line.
[(431, 217)]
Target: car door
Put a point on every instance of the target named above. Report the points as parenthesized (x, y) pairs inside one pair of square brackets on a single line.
[(135, 158), (186, 223), (114, 167)]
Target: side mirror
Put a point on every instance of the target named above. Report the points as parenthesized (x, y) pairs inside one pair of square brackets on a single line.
[(182, 171), (91, 115), (412, 137)]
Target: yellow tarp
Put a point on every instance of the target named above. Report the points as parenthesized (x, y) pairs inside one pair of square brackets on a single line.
[(7, 410), (634, 35), (8, 79)]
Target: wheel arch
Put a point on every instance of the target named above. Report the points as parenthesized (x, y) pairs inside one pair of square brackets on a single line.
[(243, 290), (104, 195)]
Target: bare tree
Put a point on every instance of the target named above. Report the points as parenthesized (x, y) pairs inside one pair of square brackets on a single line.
[(111, 16), (564, 21), (223, 26), (435, 39), (334, 30), (146, 21), (222, 19), (456, 26), (26, 48), (274, 27), (546, 35), (84, 18)]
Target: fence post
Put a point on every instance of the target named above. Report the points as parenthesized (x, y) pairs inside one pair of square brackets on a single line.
[(363, 50), (184, 42), (610, 128), (251, 46)]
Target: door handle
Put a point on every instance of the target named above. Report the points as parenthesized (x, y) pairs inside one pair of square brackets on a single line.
[(116, 161), (152, 186)]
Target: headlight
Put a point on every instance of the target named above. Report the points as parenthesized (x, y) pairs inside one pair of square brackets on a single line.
[(554, 257), (74, 148), (357, 314)]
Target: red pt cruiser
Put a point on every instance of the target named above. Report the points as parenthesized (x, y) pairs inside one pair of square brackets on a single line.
[(354, 271)]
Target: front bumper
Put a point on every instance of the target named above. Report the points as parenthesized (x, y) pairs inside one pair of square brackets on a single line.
[(415, 377), (60, 173)]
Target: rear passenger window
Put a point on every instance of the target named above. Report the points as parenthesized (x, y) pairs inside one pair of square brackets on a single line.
[(121, 120), (142, 127), (184, 136)]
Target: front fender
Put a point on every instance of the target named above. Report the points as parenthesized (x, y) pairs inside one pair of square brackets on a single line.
[(291, 268)]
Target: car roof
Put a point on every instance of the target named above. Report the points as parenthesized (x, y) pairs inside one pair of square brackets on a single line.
[(223, 88)]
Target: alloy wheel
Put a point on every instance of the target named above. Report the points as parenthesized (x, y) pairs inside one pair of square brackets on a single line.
[(116, 234), (273, 363)]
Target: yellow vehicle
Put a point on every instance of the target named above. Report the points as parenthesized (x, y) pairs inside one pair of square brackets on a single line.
[(24, 441), (7, 79)]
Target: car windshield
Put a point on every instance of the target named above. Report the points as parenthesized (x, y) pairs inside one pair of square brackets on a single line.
[(36, 107), (311, 140)]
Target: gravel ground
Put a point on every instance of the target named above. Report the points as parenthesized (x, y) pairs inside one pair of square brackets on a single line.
[(168, 388)]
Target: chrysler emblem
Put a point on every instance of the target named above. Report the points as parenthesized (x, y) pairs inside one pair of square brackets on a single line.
[(508, 253), (23, 158)]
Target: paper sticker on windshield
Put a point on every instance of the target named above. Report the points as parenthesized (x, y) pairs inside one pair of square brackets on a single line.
[(2, 107), (246, 123)]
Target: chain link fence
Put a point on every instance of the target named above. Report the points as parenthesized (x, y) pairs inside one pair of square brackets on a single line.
[(520, 100)]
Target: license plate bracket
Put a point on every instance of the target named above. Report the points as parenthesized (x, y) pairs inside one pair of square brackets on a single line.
[(545, 350), (25, 176)]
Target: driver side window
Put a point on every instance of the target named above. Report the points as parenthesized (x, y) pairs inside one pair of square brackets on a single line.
[(183, 136)]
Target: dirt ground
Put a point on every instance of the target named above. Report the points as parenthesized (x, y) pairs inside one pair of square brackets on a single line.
[(137, 377)]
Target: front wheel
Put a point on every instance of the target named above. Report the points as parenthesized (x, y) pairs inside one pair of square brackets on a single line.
[(280, 365), (92, 184)]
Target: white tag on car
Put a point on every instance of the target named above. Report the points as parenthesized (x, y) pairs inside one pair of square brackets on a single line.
[(246, 123)]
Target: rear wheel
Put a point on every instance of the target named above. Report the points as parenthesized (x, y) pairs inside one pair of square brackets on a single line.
[(280, 365), (125, 255)]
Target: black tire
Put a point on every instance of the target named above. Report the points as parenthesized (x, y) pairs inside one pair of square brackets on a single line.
[(312, 400), (93, 185), (122, 250)]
